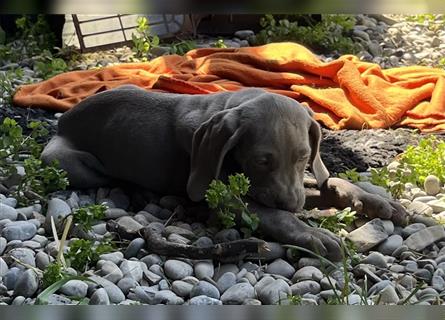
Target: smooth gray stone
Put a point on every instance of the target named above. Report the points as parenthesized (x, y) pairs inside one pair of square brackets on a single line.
[(203, 242), (57, 300), (163, 285), (425, 237), (204, 269), (144, 294), (27, 284), (238, 293), (305, 286), (42, 260), (126, 284), (132, 269), (388, 246), (204, 300), (226, 235), (100, 297), (7, 212), (134, 247), (151, 259), (281, 267), (307, 273), (3, 267), (24, 255), (177, 270), (59, 210), (110, 271), (376, 259), (167, 297), (275, 292), (115, 213), (369, 235), (205, 288), (221, 269), (19, 230), (115, 257), (114, 293), (412, 228), (74, 288), (3, 243), (182, 288), (11, 277)]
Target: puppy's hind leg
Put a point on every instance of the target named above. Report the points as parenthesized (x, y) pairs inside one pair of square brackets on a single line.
[(84, 170)]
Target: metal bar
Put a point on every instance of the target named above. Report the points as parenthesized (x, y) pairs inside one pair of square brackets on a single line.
[(122, 27), (78, 32), (101, 18)]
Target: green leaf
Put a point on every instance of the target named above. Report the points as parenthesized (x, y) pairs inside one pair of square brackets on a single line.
[(42, 298)]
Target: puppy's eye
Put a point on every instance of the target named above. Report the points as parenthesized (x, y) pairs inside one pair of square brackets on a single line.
[(262, 161)]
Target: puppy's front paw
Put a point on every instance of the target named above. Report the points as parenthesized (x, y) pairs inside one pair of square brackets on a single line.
[(320, 241), (347, 194)]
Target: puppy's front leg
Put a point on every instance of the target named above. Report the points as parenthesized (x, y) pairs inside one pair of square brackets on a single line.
[(340, 193), (285, 227)]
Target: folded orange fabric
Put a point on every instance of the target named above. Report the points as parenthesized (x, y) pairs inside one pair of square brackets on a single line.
[(345, 94)]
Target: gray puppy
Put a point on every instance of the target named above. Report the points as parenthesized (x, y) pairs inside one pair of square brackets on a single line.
[(176, 144)]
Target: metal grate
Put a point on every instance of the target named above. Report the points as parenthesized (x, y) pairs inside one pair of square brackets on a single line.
[(84, 23)]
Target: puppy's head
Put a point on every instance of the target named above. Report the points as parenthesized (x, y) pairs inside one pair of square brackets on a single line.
[(271, 138)]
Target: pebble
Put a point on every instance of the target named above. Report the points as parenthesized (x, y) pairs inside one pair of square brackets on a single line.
[(204, 300), (388, 246), (110, 271), (27, 284), (100, 297), (221, 269), (420, 208), (281, 267), (274, 292), (376, 259), (238, 293), (226, 281), (126, 284), (114, 293), (432, 185), (7, 212), (307, 273), (167, 297), (425, 237), (3, 267), (182, 288), (19, 230), (115, 257), (74, 288), (204, 288), (134, 247), (132, 269), (204, 269), (177, 270), (58, 210), (369, 235), (226, 235), (305, 286), (412, 228)]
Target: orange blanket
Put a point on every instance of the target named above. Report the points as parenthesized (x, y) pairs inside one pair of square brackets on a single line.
[(345, 93)]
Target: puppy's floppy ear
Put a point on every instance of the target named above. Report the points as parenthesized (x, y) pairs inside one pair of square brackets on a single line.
[(319, 170), (211, 142)]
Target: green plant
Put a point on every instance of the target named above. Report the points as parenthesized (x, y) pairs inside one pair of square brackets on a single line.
[(427, 19), (84, 217), (294, 300), (143, 41), (336, 222), (413, 165), (43, 297), (352, 175), (84, 253), (7, 89), (182, 47), (331, 33), (226, 199), (49, 66), (220, 44), (15, 149)]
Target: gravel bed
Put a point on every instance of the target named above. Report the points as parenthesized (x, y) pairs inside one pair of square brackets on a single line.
[(391, 261)]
